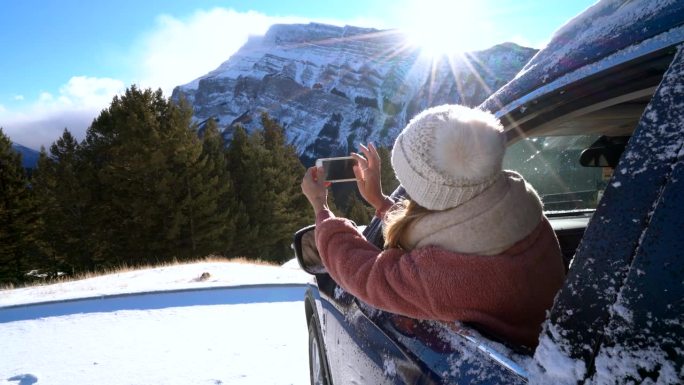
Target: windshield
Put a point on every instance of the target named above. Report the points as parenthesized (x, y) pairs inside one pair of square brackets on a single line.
[(551, 165)]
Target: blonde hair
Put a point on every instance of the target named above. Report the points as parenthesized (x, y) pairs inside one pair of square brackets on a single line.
[(399, 219)]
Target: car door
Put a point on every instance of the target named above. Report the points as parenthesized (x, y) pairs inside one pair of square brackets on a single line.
[(618, 319), (358, 350)]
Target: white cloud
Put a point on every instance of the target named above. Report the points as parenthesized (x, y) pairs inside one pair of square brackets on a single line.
[(77, 103), (2, 109), (179, 51), (18, 97), (89, 92)]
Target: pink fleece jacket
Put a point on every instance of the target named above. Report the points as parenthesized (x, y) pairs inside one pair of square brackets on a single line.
[(505, 294)]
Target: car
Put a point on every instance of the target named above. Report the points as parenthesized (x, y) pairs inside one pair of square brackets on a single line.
[(595, 122)]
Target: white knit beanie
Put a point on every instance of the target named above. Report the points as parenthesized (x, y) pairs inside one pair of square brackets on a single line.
[(448, 154)]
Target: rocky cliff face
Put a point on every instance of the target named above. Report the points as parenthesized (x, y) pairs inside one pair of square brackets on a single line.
[(333, 87)]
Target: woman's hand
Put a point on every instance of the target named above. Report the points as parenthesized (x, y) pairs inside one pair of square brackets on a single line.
[(315, 189), (367, 172)]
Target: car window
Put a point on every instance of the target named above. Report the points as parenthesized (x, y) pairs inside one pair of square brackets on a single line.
[(551, 165)]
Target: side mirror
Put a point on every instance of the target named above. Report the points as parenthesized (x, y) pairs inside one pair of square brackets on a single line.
[(306, 251), (605, 152)]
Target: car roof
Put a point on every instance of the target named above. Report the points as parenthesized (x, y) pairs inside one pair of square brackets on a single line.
[(610, 46)]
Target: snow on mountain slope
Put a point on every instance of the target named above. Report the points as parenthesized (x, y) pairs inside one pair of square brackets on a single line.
[(333, 87)]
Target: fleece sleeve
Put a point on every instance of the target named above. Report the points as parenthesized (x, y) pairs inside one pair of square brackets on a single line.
[(423, 283), (433, 283), (380, 278), (508, 293)]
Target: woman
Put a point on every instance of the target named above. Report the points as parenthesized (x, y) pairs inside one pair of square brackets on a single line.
[(470, 244)]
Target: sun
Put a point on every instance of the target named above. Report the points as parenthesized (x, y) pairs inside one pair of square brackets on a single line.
[(439, 27)]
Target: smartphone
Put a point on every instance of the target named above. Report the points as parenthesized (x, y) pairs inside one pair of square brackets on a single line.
[(340, 169)]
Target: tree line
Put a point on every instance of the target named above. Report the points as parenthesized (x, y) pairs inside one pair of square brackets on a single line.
[(143, 187)]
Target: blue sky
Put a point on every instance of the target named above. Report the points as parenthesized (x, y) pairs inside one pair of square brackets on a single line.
[(63, 60)]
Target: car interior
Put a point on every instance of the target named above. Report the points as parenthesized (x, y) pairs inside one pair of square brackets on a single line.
[(579, 180)]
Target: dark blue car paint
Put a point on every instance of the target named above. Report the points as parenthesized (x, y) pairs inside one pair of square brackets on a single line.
[(611, 256), (536, 75), (377, 342), (340, 316)]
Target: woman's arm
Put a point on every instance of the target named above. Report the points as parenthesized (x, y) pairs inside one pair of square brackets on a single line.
[(432, 283), (366, 271), (315, 190)]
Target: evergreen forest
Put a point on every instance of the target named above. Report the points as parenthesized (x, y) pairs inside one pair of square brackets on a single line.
[(145, 186)]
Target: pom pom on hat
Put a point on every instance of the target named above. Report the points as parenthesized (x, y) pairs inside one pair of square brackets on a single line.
[(448, 154)]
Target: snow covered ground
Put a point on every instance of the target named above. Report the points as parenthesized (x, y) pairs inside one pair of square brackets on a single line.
[(228, 332)]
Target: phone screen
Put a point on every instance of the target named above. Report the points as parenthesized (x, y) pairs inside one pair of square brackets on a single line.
[(338, 169)]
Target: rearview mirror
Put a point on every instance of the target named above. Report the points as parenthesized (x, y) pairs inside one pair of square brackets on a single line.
[(605, 152), (307, 252)]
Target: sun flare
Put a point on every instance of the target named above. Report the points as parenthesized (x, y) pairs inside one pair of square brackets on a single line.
[(441, 27)]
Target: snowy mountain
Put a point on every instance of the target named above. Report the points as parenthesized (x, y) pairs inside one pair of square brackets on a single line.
[(333, 87)]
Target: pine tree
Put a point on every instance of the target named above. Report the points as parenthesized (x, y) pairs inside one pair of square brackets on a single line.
[(144, 154), (123, 146), (284, 173), (183, 223), (63, 205), (245, 156), (212, 202), (18, 221), (267, 175), (43, 182)]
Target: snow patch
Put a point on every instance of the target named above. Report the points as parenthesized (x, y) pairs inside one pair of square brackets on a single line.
[(622, 365), (389, 368), (623, 312), (339, 292), (200, 344), (224, 344), (552, 363)]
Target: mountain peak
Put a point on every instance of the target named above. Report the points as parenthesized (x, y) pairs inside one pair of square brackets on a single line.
[(333, 87), (313, 31)]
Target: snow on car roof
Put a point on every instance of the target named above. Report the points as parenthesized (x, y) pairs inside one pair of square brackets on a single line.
[(604, 29)]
